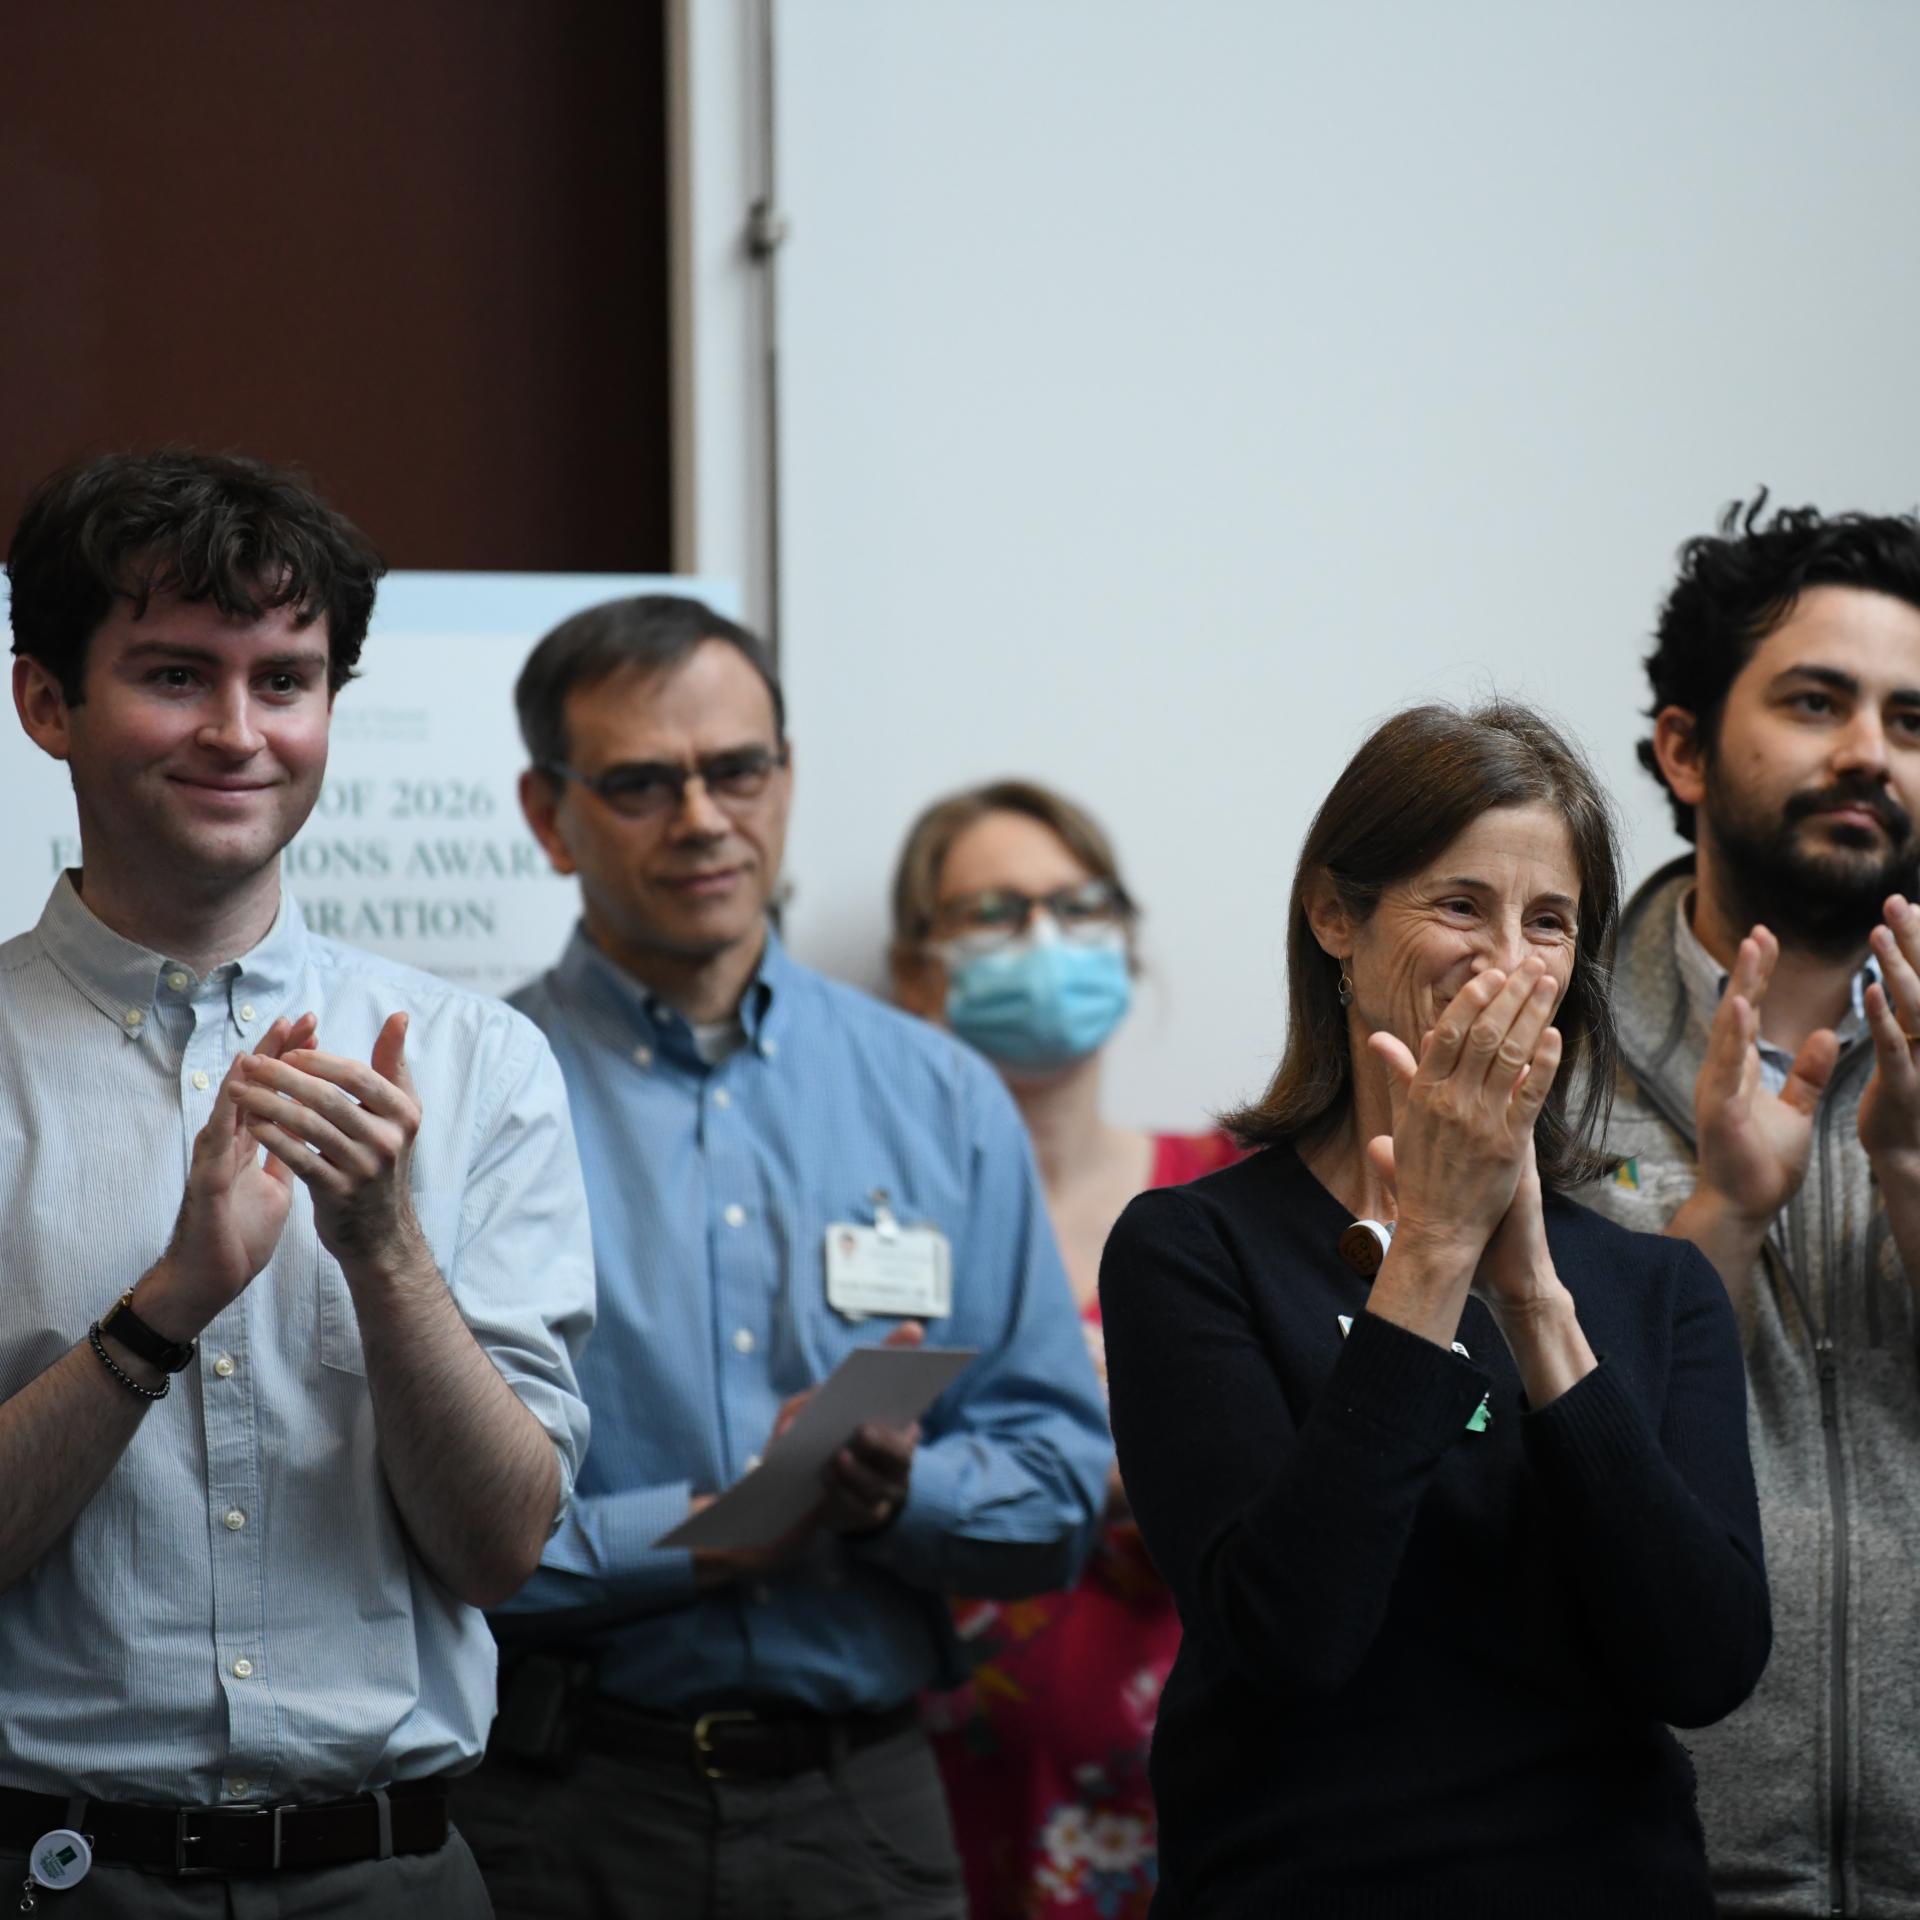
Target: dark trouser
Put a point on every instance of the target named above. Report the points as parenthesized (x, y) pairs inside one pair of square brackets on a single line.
[(411, 1886), (619, 1838)]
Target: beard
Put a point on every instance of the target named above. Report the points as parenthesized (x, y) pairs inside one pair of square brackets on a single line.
[(1823, 897)]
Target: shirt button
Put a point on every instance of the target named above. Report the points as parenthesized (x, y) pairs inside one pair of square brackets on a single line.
[(768, 1049), (134, 1017), (743, 1340), (753, 1460), (179, 981), (643, 1056), (246, 1012), (722, 1098), (234, 1519), (243, 1669), (237, 1787), (735, 1215), (224, 1368), (200, 1081)]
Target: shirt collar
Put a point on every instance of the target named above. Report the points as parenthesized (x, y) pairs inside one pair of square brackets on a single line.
[(1705, 980), (630, 1018), (123, 978)]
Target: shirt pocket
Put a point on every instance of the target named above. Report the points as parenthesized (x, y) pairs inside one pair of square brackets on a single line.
[(341, 1347)]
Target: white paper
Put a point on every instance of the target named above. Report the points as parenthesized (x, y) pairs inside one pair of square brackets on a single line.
[(892, 1385)]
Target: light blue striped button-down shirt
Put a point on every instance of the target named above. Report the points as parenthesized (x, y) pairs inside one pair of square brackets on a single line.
[(711, 1189), (237, 1615)]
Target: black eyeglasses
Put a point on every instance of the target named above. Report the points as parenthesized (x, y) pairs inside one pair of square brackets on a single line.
[(657, 789), (996, 915)]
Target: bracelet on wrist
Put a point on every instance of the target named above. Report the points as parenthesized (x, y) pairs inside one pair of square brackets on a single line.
[(120, 1373)]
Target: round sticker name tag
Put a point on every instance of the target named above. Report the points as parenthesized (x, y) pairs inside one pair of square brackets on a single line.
[(60, 1858)]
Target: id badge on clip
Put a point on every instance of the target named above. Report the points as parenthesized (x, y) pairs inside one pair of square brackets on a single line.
[(887, 1268)]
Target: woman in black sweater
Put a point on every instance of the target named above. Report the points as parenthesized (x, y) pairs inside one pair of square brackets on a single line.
[(1451, 1547)]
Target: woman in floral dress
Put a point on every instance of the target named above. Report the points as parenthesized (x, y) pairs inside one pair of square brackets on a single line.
[(1012, 926)]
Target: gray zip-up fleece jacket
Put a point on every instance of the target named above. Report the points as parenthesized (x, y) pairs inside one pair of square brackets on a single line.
[(1810, 1793)]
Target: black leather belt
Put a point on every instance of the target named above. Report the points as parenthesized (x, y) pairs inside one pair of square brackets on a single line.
[(740, 1743), (188, 1840)]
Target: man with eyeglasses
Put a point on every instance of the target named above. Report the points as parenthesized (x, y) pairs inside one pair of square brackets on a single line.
[(734, 1733)]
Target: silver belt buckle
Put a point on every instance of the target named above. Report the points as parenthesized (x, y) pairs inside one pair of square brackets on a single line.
[(183, 1839)]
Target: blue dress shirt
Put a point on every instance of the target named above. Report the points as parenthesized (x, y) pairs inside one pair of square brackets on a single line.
[(237, 1615), (711, 1190)]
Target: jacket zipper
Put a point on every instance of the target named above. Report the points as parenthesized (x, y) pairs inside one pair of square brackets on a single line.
[(1837, 1700), (1828, 1363)]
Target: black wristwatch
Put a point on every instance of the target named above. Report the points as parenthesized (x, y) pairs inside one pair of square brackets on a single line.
[(136, 1336)]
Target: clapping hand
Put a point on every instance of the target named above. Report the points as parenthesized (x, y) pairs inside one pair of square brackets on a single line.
[(1464, 1112), (234, 1208), (346, 1128), (1890, 1108), (1516, 1269), (1753, 1143), (1467, 1178)]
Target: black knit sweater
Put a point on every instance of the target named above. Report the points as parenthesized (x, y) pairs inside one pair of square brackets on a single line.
[(1426, 1670)]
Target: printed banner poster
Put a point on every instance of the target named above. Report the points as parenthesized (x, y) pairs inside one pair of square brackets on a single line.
[(417, 847)]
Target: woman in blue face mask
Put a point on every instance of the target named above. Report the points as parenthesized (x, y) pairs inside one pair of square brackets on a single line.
[(1012, 928)]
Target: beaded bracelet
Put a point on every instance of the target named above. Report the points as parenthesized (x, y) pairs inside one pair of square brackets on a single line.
[(120, 1373)]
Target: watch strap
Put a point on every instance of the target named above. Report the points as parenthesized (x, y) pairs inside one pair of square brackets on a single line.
[(133, 1333)]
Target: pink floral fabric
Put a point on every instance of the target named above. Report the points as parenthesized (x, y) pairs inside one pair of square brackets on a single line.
[(1044, 1750)]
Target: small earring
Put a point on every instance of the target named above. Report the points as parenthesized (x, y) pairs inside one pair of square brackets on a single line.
[(1346, 988)]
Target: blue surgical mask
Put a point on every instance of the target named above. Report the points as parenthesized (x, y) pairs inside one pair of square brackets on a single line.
[(1039, 1002)]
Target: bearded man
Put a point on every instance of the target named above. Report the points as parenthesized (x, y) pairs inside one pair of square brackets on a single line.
[(1768, 1109)]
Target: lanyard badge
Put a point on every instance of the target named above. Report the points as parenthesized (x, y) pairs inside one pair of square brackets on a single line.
[(888, 1268), (57, 1860)]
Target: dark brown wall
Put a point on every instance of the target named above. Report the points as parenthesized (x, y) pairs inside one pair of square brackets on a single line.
[(418, 248)]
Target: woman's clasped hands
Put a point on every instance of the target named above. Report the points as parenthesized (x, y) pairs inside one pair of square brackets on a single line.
[(1461, 1163), (1464, 1111)]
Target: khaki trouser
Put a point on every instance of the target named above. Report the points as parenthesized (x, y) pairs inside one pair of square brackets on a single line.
[(866, 1838)]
